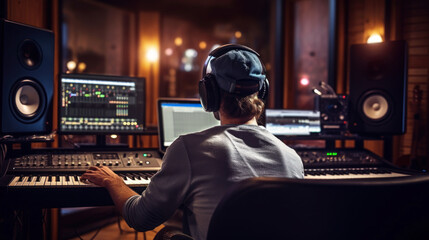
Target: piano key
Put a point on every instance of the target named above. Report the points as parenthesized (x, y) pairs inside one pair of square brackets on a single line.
[(72, 181), (33, 181), (62, 181), (355, 174), (51, 181), (22, 183), (41, 182), (14, 181), (28, 181)]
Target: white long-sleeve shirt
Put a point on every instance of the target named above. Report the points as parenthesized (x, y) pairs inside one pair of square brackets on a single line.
[(198, 168)]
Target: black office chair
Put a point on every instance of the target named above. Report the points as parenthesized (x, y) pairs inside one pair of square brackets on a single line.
[(282, 208)]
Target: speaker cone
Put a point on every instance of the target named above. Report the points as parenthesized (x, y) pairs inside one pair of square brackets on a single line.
[(375, 107), (30, 54), (28, 100)]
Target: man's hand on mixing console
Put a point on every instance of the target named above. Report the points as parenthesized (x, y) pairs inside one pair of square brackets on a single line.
[(102, 176)]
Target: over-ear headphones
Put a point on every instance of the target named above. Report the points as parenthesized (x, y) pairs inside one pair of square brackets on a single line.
[(209, 88)]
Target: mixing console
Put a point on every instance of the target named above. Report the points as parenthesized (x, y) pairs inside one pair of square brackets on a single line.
[(128, 160)]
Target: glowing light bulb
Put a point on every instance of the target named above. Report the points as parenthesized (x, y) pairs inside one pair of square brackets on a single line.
[(178, 41), (152, 55), (168, 51), (202, 45), (237, 34), (81, 66), (374, 38), (304, 81), (71, 65)]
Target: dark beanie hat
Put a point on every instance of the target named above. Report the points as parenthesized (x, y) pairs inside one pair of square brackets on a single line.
[(238, 71)]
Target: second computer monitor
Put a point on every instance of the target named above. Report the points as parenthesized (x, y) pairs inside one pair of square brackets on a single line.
[(178, 116), (288, 122), (101, 104)]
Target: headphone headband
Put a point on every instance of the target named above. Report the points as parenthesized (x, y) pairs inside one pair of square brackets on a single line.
[(208, 86)]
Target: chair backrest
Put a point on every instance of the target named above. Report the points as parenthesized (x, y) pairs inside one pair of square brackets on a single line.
[(280, 208)]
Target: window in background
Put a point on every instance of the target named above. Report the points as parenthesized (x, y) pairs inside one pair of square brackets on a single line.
[(189, 34), (101, 36), (97, 38), (311, 51), (106, 37)]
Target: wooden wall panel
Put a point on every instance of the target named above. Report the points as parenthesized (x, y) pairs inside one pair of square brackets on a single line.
[(415, 29), (149, 37), (31, 12)]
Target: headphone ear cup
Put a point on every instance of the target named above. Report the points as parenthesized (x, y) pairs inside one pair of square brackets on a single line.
[(263, 93), (209, 93)]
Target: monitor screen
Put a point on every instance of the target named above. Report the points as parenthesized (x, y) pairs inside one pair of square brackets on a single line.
[(95, 104), (292, 122), (181, 116)]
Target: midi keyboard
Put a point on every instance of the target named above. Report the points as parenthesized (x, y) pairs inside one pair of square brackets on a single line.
[(347, 164), (52, 177)]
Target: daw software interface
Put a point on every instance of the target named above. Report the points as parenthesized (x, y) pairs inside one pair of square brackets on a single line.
[(101, 104), (292, 122), (181, 116)]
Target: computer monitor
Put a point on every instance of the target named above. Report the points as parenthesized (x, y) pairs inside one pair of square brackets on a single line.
[(101, 104), (288, 122), (178, 116)]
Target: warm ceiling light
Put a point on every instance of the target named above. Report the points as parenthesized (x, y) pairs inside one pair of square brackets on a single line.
[(304, 81), (178, 41), (374, 38), (168, 51), (152, 55), (202, 45), (81, 67), (71, 65), (237, 34), (191, 53)]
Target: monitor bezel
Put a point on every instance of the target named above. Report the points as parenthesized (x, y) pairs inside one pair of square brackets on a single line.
[(124, 78)]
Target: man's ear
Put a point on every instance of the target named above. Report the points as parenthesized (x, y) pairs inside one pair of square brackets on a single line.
[(216, 115)]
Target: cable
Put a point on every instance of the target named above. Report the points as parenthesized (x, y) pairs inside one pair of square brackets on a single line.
[(328, 88), (92, 238), (120, 227), (66, 138), (17, 218), (4, 167)]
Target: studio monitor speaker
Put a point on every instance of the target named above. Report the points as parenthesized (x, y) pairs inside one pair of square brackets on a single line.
[(378, 88), (27, 69)]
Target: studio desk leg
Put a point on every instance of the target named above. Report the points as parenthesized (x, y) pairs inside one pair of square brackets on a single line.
[(34, 223), (22, 224)]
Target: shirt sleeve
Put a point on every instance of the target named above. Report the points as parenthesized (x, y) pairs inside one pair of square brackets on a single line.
[(165, 193)]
